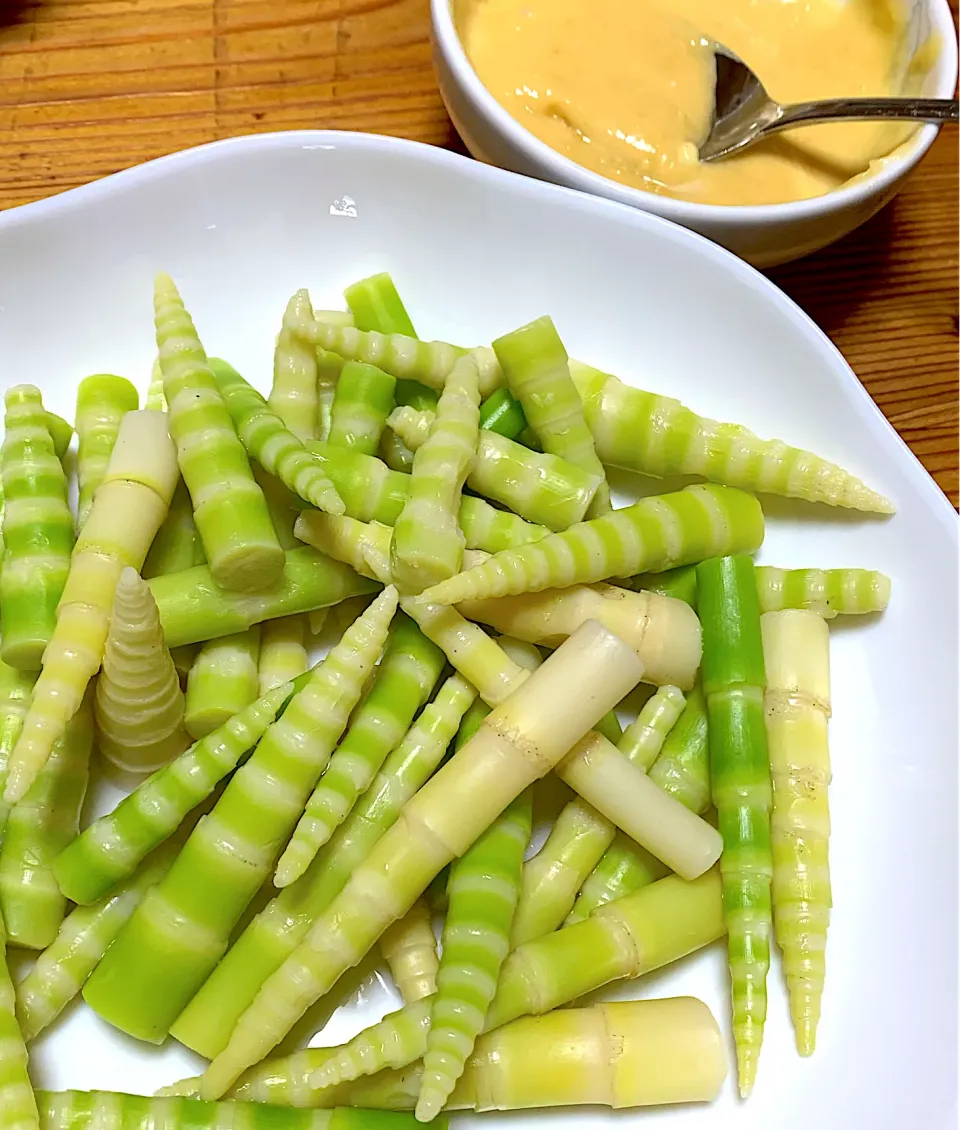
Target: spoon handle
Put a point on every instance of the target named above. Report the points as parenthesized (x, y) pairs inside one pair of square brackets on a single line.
[(847, 109)]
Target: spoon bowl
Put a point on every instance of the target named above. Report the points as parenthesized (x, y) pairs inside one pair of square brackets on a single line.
[(744, 113)]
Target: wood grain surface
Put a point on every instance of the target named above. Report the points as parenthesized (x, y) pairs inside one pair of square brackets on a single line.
[(88, 87)]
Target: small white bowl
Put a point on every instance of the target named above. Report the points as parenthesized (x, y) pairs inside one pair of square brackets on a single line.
[(764, 234)]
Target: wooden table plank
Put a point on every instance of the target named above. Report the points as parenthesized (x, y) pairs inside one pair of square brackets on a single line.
[(88, 87)]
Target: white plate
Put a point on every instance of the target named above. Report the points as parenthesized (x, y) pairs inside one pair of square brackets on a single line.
[(475, 252)]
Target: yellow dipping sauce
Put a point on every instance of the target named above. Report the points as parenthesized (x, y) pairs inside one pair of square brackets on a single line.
[(625, 87)]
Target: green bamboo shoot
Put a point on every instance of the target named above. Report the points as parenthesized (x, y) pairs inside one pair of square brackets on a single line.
[(193, 607), (295, 395), (15, 689), (18, 1106), (138, 704), (410, 951), (656, 435), (156, 401), (177, 545), (482, 890), (37, 531), (796, 652), (829, 592), (733, 681), (275, 447), (222, 681), (228, 507), (406, 358), (535, 367), (283, 652), (654, 533), (427, 544), (363, 400), (39, 827), (102, 402), (108, 1110)]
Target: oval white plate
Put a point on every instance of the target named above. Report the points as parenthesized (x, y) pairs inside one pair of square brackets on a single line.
[(475, 252)]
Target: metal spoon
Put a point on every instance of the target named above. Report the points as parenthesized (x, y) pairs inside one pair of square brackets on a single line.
[(743, 112)]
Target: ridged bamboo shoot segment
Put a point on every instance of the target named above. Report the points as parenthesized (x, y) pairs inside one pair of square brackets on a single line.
[(139, 703), (665, 633), (410, 950), (129, 506), (621, 1055), (796, 652)]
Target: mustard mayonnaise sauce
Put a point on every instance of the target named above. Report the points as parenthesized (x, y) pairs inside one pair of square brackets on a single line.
[(625, 87)]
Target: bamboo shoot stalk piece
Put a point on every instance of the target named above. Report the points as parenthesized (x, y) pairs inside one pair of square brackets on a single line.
[(61, 432), (535, 368), (102, 402), (427, 544), (623, 793), (15, 689), (410, 951), (683, 766), (138, 705), (624, 1055), (830, 592), (37, 531), (487, 528), (39, 827), (483, 888), (182, 928), (222, 681), (539, 486), (376, 305), (656, 435), (156, 401), (238, 537), (581, 837), (363, 400), (655, 533), (682, 770), (194, 608), (109, 1110), (267, 439), (664, 632), (294, 395), (733, 683), (206, 1023), (645, 931), (177, 545), (406, 358), (517, 743), (410, 668), (796, 652), (111, 848), (127, 511), (473, 653), (18, 1105), (84, 937), (283, 652)]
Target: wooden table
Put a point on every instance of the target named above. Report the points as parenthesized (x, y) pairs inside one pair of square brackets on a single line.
[(91, 86)]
